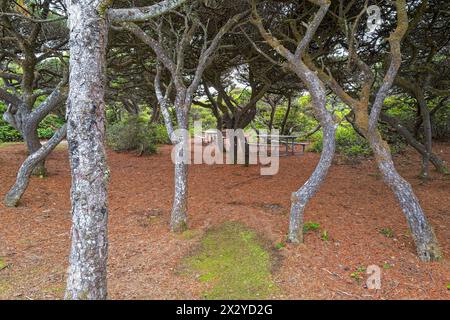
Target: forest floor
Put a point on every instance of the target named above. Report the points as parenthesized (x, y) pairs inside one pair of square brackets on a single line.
[(361, 217)]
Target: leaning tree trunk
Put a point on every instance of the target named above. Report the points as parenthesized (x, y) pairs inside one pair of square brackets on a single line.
[(178, 220), (426, 243), (14, 195), (31, 138), (301, 197), (85, 135)]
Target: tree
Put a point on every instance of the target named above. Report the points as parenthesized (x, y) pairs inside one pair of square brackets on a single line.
[(32, 67), (26, 169), (367, 119), (317, 91), (88, 26), (170, 50)]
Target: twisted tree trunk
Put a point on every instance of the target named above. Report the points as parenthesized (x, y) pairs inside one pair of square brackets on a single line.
[(317, 91), (85, 136), (426, 243), (14, 195), (31, 138)]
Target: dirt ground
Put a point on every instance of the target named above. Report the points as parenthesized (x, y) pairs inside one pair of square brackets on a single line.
[(353, 206)]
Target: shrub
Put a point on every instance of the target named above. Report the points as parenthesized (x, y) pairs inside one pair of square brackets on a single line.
[(7, 133), (134, 134), (48, 126), (310, 226), (348, 143)]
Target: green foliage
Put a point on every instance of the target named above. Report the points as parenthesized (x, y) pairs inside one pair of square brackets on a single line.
[(325, 236), (46, 128), (310, 226), (235, 263), (134, 134), (387, 232), (49, 125), (348, 143), (280, 245), (204, 115), (299, 121), (386, 266), (357, 274), (7, 133)]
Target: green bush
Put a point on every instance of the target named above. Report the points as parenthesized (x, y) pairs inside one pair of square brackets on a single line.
[(45, 130), (134, 134), (49, 125), (7, 133), (348, 143)]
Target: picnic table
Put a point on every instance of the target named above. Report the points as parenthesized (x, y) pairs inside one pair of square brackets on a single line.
[(287, 141)]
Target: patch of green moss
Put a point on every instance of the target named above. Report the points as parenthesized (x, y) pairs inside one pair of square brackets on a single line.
[(189, 234), (235, 262)]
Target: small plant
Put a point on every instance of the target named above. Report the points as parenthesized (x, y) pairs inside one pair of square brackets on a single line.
[(386, 266), (310, 226), (325, 236), (280, 245), (448, 287), (357, 275), (387, 232)]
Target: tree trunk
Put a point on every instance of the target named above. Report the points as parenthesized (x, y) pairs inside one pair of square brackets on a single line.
[(427, 140), (178, 220), (14, 195), (426, 243), (85, 135), (31, 138), (301, 197), (286, 116)]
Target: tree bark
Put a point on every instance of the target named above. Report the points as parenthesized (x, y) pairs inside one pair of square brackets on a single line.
[(14, 195), (301, 197), (426, 243), (31, 138), (178, 220), (85, 136), (427, 140), (317, 91)]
